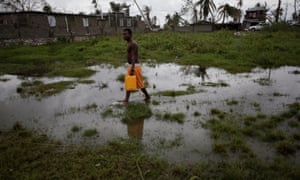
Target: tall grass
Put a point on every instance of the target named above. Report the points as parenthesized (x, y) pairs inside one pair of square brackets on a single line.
[(235, 53)]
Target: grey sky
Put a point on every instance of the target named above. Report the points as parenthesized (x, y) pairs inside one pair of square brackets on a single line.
[(160, 8)]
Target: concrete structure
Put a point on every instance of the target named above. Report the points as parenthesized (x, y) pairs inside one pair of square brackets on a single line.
[(195, 28), (39, 25), (254, 16)]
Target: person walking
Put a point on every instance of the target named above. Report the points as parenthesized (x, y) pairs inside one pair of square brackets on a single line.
[(134, 67)]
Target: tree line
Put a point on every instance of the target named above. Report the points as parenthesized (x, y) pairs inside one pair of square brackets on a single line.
[(199, 11)]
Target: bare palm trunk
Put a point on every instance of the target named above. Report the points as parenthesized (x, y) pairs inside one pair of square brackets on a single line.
[(278, 11)]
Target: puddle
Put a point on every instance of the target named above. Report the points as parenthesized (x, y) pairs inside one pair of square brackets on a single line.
[(261, 91)]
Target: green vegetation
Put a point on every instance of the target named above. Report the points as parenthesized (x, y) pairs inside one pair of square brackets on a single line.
[(231, 134), (27, 155), (135, 112), (75, 129), (173, 117), (219, 49), (172, 93), (39, 89), (90, 132)]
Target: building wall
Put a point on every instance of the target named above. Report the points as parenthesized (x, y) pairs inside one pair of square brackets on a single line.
[(195, 28), (33, 25)]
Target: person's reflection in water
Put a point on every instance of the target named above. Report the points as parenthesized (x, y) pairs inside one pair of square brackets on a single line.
[(201, 72), (136, 129)]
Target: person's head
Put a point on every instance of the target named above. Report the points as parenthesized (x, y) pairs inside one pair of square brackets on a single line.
[(127, 34)]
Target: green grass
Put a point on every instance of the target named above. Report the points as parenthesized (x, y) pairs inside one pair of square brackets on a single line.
[(172, 117), (90, 132), (39, 89), (27, 155), (218, 49), (135, 112), (231, 132)]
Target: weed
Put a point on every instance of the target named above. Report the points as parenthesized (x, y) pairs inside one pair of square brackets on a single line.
[(286, 147), (86, 81), (212, 84), (107, 112), (217, 112), (92, 106), (249, 120), (90, 132), (135, 112), (196, 114), (274, 136), (39, 89), (121, 77), (155, 103), (293, 124), (220, 148), (232, 102), (277, 94), (75, 128), (176, 117)]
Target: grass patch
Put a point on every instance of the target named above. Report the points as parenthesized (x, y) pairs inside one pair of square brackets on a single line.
[(39, 89), (172, 93), (232, 102), (92, 106), (107, 113), (75, 129), (25, 154), (218, 49), (135, 112), (172, 117), (212, 84), (121, 78), (90, 132)]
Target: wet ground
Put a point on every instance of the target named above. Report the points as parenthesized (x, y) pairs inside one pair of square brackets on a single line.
[(260, 91)]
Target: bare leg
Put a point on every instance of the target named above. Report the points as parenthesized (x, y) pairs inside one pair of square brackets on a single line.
[(127, 97), (147, 97)]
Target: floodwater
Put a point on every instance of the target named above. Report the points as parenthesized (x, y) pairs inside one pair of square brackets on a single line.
[(188, 142)]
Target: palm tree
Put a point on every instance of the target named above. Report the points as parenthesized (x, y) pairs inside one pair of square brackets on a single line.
[(278, 11), (174, 20), (117, 7), (239, 5), (190, 6), (206, 7), (226, 11)]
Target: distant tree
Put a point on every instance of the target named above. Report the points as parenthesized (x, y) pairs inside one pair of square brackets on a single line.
[(226, 11), (278, 11), (190, 6), (47, 8), (117, 7), (97, 7), (174, 20), (23, 5), (206, 7), (240, 5)]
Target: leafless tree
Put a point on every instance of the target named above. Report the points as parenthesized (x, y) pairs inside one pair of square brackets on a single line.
[(23, 5)]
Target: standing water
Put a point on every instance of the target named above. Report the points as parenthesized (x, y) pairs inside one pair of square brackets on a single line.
[(260, 91)]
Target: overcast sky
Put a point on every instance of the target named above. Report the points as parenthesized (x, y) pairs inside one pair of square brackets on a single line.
[(160, 8)]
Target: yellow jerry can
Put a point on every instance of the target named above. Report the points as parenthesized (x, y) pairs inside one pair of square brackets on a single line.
[(130, 83)]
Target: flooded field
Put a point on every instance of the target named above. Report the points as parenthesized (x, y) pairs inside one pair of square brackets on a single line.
[(191, 92)]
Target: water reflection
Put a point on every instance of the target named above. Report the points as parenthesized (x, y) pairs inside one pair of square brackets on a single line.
[(198, 71), (136, 129), (250, 90)]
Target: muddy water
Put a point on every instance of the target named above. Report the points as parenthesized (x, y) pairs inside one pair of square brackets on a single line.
[(187, 142)]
